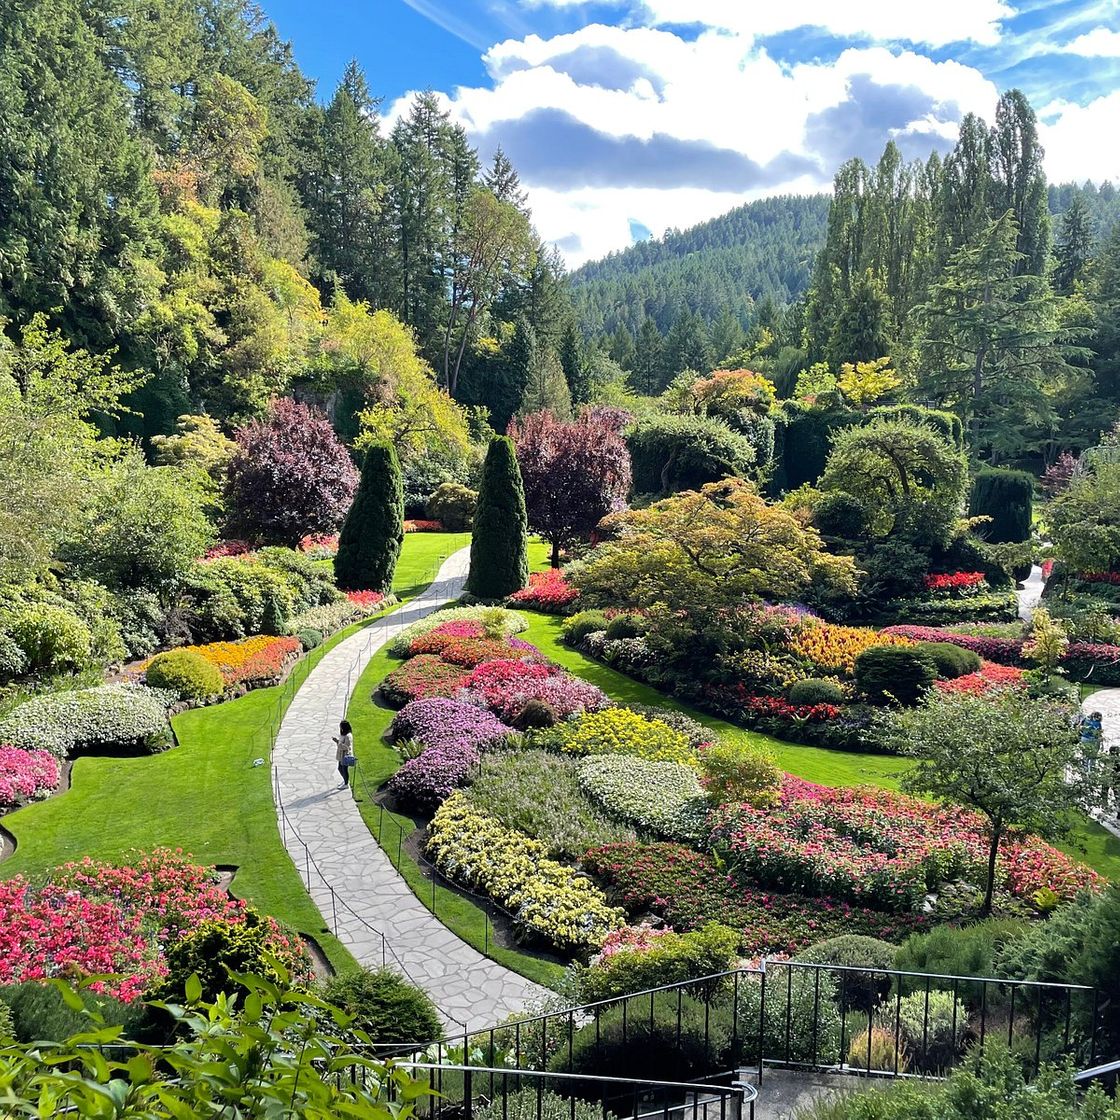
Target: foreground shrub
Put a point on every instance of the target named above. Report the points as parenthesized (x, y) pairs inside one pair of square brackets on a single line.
[(39, 1011), (876, 1049), (969, 950), (931, 1027), (623, 731), (537, 793), (549, 902), (862, 990), (633, 964), (736, 771), (950, 661), (662, 798), (109, 717), (385, 1006), (255, 661), (812, 690), (421, 679), (186, 673), (26, 776), (887, 675), (51, 638), (579, 625)]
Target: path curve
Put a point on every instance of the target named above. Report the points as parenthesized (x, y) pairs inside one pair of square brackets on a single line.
[(1107, 702), (469, 989), (1030, 594)]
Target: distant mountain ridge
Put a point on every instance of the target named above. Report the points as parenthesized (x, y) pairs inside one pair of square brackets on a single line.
[(763, 248)]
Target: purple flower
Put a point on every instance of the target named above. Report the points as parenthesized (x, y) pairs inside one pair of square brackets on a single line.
[(425, 782), (565, 695), (439, 723)]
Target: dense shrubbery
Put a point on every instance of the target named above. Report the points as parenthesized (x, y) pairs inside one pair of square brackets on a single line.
[(251, 661), (661, 798), (186, 673), (385, 1007), (888, 675)]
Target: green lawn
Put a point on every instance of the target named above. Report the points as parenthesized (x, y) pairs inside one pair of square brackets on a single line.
[(204, 796)]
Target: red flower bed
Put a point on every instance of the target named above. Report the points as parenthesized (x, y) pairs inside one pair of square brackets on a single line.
[(492, 678), (435, 641), (688, 890), (798, 789), (265, 664), (420, 678), (988, 676), (227, 548), (953, 581), (421, 526), (471, 652), (1047, 568), (548, 591), (1100, 577), (1007, 651), (783, 709), (366, 599)]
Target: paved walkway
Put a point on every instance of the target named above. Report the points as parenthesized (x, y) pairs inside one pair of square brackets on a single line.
[(1030, 594), (1107, 702), (370, 900)]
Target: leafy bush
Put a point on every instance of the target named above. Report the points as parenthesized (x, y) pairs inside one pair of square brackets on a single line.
[(51, 638), (958, 951), (538, 1103), (695, 732), (622, 731), (534, 715), (894, 675), (932, 1027), (329, 618), (673, 453), (453, 505), (842, 515), (852, 950), (950, 661), (234, 596), (39, 1011), (13, 661), (538, 793), (625, 626), (111, 716), (310, 639), (668, 958), (186, 673), (814, 690), (549, 902), (654, 796), (309, 585), (735, 771), (579, 625), (385, 1006)]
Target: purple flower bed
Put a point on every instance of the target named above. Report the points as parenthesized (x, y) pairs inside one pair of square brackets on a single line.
[(565, 695), (25, 775), (448, 723), (425, 782)]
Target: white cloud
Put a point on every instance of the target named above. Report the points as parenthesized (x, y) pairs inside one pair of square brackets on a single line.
[(1079, 139), (1098, 43)]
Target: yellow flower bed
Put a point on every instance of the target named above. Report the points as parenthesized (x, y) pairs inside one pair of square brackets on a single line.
[(549, 901), (259, 657), (834, 649), (621, 731)]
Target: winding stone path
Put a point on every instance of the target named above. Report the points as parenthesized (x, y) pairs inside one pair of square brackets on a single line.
[(1030, 594), (372, 910), (1107, 702)]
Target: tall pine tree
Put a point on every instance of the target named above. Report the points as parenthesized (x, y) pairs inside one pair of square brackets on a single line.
[(499, 559), (371, 537)]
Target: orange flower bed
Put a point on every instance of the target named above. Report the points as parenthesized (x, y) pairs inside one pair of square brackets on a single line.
[(834, 649), (256, 660)]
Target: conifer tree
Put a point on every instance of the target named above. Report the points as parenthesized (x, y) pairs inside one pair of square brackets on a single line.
[(499, 562), (370, 542)]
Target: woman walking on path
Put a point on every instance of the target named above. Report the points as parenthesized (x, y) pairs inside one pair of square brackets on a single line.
[(344, 751)]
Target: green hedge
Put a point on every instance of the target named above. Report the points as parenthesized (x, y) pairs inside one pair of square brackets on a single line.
[(1007, 498)]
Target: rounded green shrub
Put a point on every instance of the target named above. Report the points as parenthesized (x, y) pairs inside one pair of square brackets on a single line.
[(894, 674), (814, 690), (625, 626), (950, 661), (310, 639), (672, 453), (535, 714), (1007, 498), (579, 625), (186, 673), (843, 515), (970, 950), (53, 639), (862, 990), (452, 505), (385, 1006)]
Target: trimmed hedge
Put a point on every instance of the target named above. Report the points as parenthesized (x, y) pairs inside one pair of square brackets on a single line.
[(894, 674), (673, 453), (813, 690), (186, 673), (1007, 498), (950, 661)]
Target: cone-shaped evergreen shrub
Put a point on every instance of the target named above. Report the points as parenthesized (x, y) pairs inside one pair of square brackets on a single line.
[(499, 564), (371, 536)]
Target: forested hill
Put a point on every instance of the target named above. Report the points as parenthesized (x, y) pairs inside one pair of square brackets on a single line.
[(763, 248)]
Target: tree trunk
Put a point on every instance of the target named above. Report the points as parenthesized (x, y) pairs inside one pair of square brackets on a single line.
[(993, 854), (556, 554)]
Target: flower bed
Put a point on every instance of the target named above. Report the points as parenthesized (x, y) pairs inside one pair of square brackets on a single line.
[(878, 848), (254, 662), (689, 890), (425, 782), (437, 640), (549, 902), (441, 722), (93, 918), (833, 649), (369, 601), (471, 652), (419, 525), (663, 798), (420, 679), (990, 675), (548, 591), (953, 581), (509, 622), (26, 776), (117, 716), (566, 696), (622, 731), (223, 549)]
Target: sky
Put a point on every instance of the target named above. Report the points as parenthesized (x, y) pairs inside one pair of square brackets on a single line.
[(628, 118)]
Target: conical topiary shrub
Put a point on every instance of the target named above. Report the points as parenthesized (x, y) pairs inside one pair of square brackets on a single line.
[(499, 563), (370, 541)]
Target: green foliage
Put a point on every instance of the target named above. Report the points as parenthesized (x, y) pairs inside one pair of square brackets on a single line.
[(37, 1010), (969, 950), (539, 794), (662, 798), (875, 1048), (842, 515), (537, 1103), (1007, 498), (672, 453), (499, 562), (813, 690), (309, 639), (625, 626), (861, 990), (950, 661), (735, 771), (947, 423), (371, 537), (52, 639), (577, 626), (894, 674), (804, 436), (453, 506), (671, 958), (233, 598), (1084, 519), (186, 673), (385, 1007)]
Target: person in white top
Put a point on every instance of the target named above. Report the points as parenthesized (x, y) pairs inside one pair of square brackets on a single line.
[(344, 751)]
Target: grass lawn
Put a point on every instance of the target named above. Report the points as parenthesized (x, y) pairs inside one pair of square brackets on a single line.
[(204, 796)]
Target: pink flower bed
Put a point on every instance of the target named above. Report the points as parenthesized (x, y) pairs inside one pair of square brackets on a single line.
[(26, 775), (565, 695), (881, 849), (425, 782), (629, 939), (799, 789), (320, 544), (987, 677), (367, 600), (548, 591), (227, 548)]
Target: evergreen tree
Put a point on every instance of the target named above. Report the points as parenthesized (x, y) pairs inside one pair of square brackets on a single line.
[(504, 183), (648, 374), (620, 348), (499, 560), (1075, 246), (1105, 300), (371, 536), (545, 386), (574, 363), (727, 335), (687, 347), (860, 331)]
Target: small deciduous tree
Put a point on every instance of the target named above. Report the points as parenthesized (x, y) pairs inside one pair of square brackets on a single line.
[(1005, 755), (290, 476), (574, 474), (370, 542), (499, 563)]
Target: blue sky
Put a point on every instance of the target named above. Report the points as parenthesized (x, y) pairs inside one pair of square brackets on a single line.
[(640, 115)]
